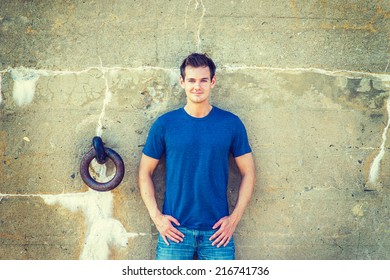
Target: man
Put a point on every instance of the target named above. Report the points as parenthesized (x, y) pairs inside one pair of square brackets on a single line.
[(196, 140)]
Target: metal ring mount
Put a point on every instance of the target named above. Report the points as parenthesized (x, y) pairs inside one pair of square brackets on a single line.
[(98, 145), (107, 186)]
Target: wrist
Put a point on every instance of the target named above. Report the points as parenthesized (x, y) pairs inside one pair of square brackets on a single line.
[(154, 214), (235, 217)]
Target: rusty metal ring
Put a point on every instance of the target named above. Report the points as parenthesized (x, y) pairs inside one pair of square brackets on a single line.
[(107, 186)]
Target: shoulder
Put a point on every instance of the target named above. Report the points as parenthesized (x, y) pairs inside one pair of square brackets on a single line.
[(226, 115), (169, 116), (162, 124), (230, 121)]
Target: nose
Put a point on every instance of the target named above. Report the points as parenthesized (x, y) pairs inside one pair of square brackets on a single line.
[(197, 85)]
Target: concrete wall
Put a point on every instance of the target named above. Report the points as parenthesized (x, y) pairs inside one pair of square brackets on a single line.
[(308, 78)]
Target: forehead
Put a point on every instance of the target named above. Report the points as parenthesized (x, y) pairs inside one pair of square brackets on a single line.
[(197, 72)]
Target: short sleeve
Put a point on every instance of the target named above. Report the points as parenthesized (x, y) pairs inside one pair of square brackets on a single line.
[(240, 145), (154, 146)]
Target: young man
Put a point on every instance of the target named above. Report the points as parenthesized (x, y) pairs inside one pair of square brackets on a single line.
[(197, 141)]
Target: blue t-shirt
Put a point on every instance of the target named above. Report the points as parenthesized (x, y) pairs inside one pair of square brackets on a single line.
[(197, 153)]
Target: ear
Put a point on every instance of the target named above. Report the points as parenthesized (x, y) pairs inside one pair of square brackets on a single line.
[(213, 81), (182, 82)]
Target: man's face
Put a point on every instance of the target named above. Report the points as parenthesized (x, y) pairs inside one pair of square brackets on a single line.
[(197, 84)]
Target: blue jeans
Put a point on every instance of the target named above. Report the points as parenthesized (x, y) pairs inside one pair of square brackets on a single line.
[(195, 241)]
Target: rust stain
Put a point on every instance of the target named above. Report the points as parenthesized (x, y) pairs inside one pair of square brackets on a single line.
[(369, 26), (9, 161), (31, 31), (3, 142), (295, 10), (10, 236), (57, 25), (348, 26), (381, 11), (294, 7)]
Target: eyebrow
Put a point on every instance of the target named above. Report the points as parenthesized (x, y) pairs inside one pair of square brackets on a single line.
[(205, 78)]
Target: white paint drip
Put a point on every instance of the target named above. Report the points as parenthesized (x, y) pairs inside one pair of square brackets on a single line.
[(376, 164), (103, 230), (197, 2), (24, 85)]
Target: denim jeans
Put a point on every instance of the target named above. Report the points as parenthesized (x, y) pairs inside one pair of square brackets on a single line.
[(194, 242)]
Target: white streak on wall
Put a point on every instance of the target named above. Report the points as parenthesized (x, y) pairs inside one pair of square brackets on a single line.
[(24, 85), (186, 14), (376, 164), (327, 72), (107, 99), (199, 44), (200, 21), (103, 230), (385, 77)]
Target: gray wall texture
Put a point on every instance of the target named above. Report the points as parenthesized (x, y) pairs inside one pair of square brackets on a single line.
[(308, 78)]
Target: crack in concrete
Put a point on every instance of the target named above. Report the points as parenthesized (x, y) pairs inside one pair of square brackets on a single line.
[(197, 3), (338, 72), (107, 99), (24, 89), (47, 72), (376, 164)]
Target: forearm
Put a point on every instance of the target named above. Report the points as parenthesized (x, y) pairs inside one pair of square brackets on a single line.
[(148, 195), (146, 185), (246, 166), (163, 222), (228, 224), (244, 195), (149, 198)]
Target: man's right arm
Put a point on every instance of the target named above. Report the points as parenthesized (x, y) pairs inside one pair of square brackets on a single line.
[(146, 185)]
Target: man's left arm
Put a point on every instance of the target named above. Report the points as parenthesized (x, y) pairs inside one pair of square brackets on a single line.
[(228, 224)]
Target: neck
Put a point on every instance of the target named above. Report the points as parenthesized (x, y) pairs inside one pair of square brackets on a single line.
[(198, 110)]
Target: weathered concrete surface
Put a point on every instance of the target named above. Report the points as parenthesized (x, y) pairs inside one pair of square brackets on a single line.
[(308, 78)]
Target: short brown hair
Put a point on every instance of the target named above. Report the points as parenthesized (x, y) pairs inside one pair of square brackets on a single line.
[(198, 60)]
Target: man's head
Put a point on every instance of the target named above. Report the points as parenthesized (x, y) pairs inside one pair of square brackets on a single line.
[(197, 60), (197, 78)]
